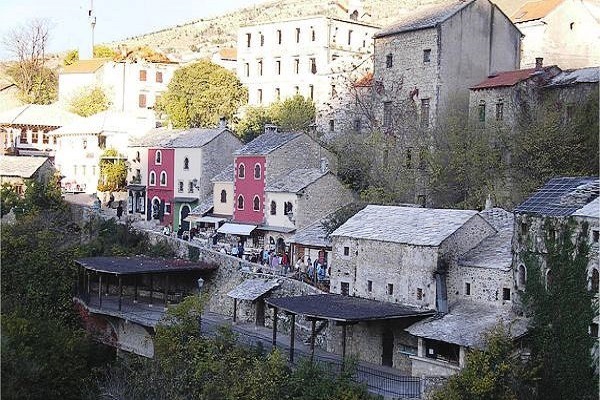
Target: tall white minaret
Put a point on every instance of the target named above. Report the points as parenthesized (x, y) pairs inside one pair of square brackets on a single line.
[(86, 48)]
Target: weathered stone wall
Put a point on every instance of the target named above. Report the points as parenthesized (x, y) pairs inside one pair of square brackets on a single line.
[(216, 156), (486, 284), (468, 236), (321, 198), (422, 366)]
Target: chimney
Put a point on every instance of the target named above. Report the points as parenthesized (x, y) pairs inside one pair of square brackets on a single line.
[(324, 165), (488, 202), (270, 128), (539, 63), (222, 122), (441, 290)]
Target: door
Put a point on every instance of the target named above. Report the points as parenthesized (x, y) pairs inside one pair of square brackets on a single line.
[(185, 210), (260, 312), (387, 344)]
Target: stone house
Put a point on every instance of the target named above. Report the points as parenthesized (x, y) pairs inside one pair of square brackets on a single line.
[(401, 255), (559, 201), (14, 170), (564, 32), (25, 130)]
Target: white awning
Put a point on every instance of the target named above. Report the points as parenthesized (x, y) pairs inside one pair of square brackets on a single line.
[(211, 220), (236, 229), (192, 218)]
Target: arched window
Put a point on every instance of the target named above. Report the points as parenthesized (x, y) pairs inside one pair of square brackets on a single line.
[(257, 171), (240, 202), (273, 207), (158, 157), (137, 156), (595, 277), (163, 178), (223, 196), (186, 163), (152, 178), (256, 203), (548, 279), (521, 276), (287, 207), (241, 171)]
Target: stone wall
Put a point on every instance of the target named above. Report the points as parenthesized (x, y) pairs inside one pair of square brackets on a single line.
[(465, 238), (320, 198), (216, 156), (486, 284)]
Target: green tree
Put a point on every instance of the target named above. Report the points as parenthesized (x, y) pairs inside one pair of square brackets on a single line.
[(561, 310), (296, 113), (200, 93), (253, 123), (9, 198), (113, 171), (89, 101), (496, 372), (100, 51)]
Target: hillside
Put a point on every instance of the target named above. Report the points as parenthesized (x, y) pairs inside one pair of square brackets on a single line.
[(201, 38)]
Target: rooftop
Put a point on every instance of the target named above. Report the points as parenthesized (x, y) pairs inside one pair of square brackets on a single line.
[(345, 308), (267, 142), (296, 180), (561, 197), (84, 66), (312, 235), (509, 78), (591, 210), (467, 323), (406, 225), (227, 175), (104, 122), (142, 265), (425, 17), (178, 138), (533, 10), (204, 206), (228, 53), (575, 76), (252, 289), (20, 166), (38, 114)]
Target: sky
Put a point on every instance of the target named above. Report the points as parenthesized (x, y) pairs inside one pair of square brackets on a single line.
[(115, 19)]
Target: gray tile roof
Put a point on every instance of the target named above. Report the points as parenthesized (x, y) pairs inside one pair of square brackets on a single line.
[(467, 322), (267, 142), (499, 218), (296, 180), (561, 197), (38, 114), (406, 225), (313, 235), (227, 175), (142, 265), (177, 138), (205, 206), (590, 210), (575, 76), (155, 137), (252, 289), (423, 18), (20, 166), (105, 121)]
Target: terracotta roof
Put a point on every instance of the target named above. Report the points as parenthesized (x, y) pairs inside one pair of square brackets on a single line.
[(534, 10), (365, 81), (85, 66), (228, 53), (506, 78)]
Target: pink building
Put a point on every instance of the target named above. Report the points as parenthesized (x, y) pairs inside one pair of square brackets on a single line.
[(249, 192), (161, 163)]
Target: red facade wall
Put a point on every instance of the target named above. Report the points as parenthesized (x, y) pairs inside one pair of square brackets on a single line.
[(249, 187), (163, 193)]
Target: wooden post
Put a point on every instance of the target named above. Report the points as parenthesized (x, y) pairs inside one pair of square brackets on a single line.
[(120, 292), (274, 327), (343, 344), (166, 291), (107, 282), (151, 290), (292, 336), (234, 310), (313, 324), (100, 290), (87, 286), (135, 289)]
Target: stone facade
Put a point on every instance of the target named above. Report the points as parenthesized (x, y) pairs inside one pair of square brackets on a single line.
[(321, 198)]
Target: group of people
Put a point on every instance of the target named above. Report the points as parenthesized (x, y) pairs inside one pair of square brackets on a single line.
[(278, 261)]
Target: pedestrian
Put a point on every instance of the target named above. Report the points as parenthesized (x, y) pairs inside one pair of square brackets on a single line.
[(111, 199), (241, 250), (234, 250), (120, 209), (285, 261), (266, 257), (275, 263)]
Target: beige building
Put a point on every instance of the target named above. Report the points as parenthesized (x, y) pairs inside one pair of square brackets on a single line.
[(15, 170), (563, 32)]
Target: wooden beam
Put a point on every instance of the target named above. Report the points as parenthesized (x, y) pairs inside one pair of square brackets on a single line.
[(274, 327), (151, 291), (343, 343), (135, 289), (87, 287), (166, 291), (234, 310), (313, 324), (120, 292), (292, 337), (100, 289)]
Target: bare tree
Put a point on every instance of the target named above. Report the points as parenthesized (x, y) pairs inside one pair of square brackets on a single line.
[(27, 43)]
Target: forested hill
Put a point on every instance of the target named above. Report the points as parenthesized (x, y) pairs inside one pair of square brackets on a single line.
[(201, 38)]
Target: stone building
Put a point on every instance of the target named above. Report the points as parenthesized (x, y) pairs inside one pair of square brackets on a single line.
[(15, 170), (305, 56), (563, 32), (403, 255)]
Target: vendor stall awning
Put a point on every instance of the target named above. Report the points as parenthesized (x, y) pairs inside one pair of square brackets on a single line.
[(236, 229), (192, 218), (252, 289), (211, 220)]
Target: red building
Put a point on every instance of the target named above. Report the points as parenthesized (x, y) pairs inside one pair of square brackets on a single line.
[(160, 184), (249, 191)]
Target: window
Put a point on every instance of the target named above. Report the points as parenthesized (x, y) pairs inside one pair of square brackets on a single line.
[(240, 202), (426, 55), (180, 186), (344, 288), (331, 125), (260, 67), (311, 91), (467, 289), (408, 160), (74, 169), (349, 37), (167, 208), (296, 65), (142, 75), (256, 203), (482, 111), (333, 91), (257, 171), (442, 351), (521, 276), (152, 178), (259, 95), (223, 196), (277, 93), (45, 138), (84, 144), (369, 286), (273, 208), (389, 60), (288, 208), (506, 294), (190, 187), (524, 228), (186, 163), (387, 114), (390, 288), (422, 157), (278, 36), (595, 236), (23, 137), (296, 90), (158, 157), (262, 40), (313, 65), (499, 110), (278, 67), (35, 138), (357, 124), (241, 171), (346, 250), (158, 77), (248, 39), (595, 283), (246, 69), (163, 178), (313, 36), (548, 279), (419, 294), (297, 35), (83, 169), (594, 330), (142, 100), (425, 113)]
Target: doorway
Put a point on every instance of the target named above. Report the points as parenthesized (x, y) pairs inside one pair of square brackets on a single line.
[(185, 210), (387, 344), (260, 312)]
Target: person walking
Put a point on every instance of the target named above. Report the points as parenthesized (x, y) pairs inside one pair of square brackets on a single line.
[(120, 209)]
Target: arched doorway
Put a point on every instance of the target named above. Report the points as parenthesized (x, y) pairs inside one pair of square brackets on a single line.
[(280, 248), (155, 208), (184, 212)]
